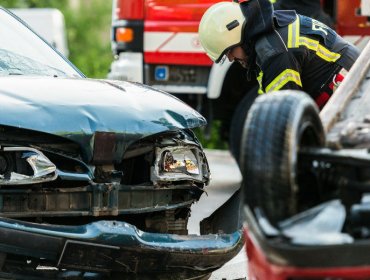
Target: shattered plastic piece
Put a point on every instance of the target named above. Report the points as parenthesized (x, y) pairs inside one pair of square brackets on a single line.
[(321, 225)]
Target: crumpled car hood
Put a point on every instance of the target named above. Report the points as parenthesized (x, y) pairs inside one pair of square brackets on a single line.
[(77, 108)]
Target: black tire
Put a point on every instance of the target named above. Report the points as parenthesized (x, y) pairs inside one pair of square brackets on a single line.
[(277, 125), (238, 120)]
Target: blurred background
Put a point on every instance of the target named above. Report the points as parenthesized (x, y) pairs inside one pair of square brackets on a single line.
[(87, 23)]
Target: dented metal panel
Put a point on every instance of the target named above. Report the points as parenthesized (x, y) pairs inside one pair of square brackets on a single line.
[(131, 111)]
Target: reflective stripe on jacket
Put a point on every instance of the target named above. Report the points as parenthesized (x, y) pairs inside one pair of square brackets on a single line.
[(301, 53)]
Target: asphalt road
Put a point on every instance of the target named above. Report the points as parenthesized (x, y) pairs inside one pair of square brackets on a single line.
[(226, 179)]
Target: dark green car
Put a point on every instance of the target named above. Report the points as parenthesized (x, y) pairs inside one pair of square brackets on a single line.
[(97, 177)]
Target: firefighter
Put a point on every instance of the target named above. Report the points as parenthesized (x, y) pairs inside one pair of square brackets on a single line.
[(283, 49)]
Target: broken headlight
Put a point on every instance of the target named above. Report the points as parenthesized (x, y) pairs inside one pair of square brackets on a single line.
[(180, 163), (23, 165)]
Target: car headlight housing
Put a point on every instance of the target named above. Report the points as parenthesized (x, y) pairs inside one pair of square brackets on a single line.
[(180, 163), (24, 165)]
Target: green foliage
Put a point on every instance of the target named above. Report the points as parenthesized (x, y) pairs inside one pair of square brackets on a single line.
[(210, 136), (88, 35), (29, 3), (88, 31)]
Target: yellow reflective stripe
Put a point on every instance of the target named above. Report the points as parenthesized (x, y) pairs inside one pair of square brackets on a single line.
[(297, 32), (273, 1), (288, 75), (309, 43), (319, 49), (293, 34), (327, 55), (259, 79)]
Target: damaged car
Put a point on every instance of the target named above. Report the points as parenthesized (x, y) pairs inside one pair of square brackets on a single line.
[(307, 183), (97, 177)]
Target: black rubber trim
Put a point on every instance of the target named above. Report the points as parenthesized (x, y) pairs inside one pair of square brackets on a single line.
[(279, 251)]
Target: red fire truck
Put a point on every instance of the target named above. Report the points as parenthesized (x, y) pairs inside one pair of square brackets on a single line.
[(155, 42)]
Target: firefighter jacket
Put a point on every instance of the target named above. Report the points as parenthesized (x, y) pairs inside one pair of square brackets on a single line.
[(300, 53)]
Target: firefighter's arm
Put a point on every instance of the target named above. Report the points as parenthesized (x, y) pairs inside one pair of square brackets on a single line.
[(280, 72)]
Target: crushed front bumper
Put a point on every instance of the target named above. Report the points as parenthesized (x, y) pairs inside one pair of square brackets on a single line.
[(111, 247)]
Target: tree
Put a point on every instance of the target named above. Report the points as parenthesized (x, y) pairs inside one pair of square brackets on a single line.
[(88, 28)]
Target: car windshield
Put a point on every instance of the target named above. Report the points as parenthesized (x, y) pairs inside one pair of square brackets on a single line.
[(22, 52)]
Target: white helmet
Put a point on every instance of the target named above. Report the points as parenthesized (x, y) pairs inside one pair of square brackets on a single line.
[(221, 28)]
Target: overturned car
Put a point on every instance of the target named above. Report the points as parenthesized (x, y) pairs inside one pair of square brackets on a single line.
[(307, 183), (97, 177)]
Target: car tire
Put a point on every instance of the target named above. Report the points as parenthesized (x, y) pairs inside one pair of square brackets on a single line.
[(238, 120), (277, 125)]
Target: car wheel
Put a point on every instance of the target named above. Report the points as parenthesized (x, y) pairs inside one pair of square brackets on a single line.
[(277, 126), (238, 120)]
